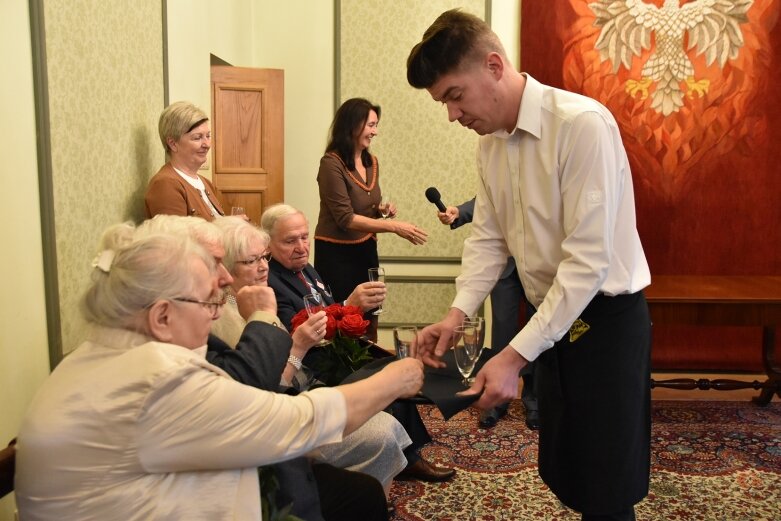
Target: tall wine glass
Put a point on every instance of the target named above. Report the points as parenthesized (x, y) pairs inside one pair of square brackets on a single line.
[(479, 324), (377, 275), (405, 340), (313, 303), (464, 342), (385, 203)]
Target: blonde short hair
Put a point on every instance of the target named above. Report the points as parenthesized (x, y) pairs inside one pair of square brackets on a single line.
[(236, 236), (198, 229), (177, 119), (131, 273)]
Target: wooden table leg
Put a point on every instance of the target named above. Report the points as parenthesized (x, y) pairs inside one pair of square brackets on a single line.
[(773, 384)]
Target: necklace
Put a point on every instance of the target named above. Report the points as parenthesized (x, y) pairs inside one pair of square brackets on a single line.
[(357, 180)]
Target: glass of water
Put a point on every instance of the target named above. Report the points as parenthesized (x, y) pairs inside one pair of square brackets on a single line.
[(377, 275), (405, 340)]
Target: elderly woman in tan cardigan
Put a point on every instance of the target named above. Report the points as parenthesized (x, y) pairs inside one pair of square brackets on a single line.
[(177, 188)]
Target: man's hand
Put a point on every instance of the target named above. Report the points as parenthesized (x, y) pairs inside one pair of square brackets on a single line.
[(498, 379), (250, 299), (449, 215), (368, 295), (434, 340)]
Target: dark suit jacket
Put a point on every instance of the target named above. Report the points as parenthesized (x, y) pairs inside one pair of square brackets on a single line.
[(258, 360), (290, 291)]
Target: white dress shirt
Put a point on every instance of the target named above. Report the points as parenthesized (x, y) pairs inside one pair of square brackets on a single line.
[(130, 429), (557, 195)]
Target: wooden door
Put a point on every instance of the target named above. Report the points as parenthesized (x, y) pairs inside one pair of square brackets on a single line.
[(248, 129)]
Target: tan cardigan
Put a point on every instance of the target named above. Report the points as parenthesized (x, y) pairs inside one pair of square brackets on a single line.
[(169, 194)]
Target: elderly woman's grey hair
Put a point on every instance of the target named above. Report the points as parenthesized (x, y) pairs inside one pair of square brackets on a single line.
[(177, 119), (276, 213), (200, 230), (131, 273), (236, 237)]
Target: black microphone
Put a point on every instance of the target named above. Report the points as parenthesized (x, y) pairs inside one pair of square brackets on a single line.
[(432, 194)]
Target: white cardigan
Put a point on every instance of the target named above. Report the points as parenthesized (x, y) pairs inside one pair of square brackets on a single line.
[(130, 429)]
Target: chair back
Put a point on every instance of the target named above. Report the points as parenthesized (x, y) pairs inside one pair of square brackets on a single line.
[(7, 468)]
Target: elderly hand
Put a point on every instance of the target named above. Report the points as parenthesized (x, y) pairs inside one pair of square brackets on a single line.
[(434, 340), (309, 333), (392, 210), (449, 215), (368, 295), (498, 379), (410, 232), (407, 374), (250, 299)]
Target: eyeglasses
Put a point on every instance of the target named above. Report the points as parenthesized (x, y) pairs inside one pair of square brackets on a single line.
[(212, 305), (253, 261)]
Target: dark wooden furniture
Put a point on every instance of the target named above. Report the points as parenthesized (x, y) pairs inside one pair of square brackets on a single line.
[(7, 467), (721, 301)]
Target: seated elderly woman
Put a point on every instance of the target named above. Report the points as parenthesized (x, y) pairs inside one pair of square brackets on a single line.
[(135, 422), (377, 447), (177, 188)]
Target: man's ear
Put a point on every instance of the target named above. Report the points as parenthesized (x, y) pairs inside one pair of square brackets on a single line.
[(158, 321), (495, 64)]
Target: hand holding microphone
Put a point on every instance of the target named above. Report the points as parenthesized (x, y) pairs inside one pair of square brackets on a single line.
[(447, 214)]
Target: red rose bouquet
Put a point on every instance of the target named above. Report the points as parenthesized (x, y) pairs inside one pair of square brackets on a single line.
[(347, 353)]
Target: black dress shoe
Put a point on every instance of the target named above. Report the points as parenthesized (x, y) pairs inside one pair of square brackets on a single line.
[(422, 470), (533, 420)]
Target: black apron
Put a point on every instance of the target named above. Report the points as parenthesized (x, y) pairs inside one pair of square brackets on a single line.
[(595, 407)]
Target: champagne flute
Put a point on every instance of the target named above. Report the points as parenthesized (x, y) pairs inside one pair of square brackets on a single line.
[(464, 342), (313, 303), (479, 324), (405, 340), (377, 275), (385, 203)]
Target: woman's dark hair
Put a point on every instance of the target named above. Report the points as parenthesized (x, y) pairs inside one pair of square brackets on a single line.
[(349, 121)]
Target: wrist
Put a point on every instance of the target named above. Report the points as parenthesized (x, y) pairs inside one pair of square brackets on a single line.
[(294, 361)]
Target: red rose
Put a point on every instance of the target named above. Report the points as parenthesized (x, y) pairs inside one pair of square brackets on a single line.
[(330, 327), (352, 310), (334, 310), (353, 325), (298, 319)]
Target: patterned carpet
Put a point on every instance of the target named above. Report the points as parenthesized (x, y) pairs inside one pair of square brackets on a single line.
[(717, 461)]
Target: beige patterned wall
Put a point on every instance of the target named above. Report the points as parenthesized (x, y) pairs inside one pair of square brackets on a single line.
[(417, 147), (105, 74)]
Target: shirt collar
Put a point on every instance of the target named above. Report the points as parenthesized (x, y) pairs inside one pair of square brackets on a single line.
[(529, 113)]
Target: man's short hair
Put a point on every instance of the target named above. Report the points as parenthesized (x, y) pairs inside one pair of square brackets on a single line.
[(455, 39)]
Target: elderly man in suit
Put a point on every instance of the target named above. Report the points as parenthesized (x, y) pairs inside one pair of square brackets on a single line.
[(291, 276)]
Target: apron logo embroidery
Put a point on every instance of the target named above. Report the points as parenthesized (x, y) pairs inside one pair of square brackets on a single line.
[(578, 328)]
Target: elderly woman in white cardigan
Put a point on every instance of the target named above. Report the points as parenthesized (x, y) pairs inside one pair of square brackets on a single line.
[(136, 423)]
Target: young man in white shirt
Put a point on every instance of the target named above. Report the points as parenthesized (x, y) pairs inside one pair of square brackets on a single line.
[(555, 192)]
